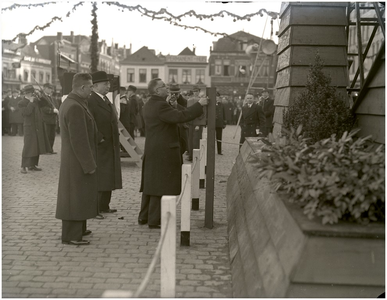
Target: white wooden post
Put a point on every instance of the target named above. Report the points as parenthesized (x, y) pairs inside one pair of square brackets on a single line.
[(168, 248), (203, 155), (185, 205), (195, 179)]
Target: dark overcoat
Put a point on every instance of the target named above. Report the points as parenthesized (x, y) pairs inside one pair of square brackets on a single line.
[(133, 109), (47, 108), (161, 164), (108, 161), (220, 114), (77, 190), (125, 114), (268, 111), (252, 119), (15, 117), (35, 138)]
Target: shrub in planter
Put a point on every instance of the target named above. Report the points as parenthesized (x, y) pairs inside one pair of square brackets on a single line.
[(319, 109), (336, 179)]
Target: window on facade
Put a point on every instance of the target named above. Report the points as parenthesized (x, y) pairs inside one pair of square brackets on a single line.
[(25, 75), (199, 76), (41, 77), (226, 67), (172, 76), (142, 75), (155, 73), (186, 76), (218, 67), (5, 72), (130, 75), (48, 77), (12, 74), (33, 75)]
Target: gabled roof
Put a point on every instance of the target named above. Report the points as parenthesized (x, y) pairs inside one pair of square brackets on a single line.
[(187, 51), (51, 38), (232, 43), (143, 56), (25, 50)]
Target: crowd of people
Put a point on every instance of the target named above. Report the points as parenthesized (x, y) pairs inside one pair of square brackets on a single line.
[(90, 167)]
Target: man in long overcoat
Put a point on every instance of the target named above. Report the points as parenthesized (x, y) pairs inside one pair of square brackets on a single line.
[(133, 109), (251, 120), (161, 165), (49, 113), (220, 122), (108, 161), (15, 114), (267, 105), (77, 189), (35, 137)]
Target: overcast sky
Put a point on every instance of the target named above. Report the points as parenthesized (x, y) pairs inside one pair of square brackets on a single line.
[(127, 27)]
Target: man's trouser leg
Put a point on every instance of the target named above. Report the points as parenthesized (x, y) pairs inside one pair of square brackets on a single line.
[(104, 200), (73, 230)]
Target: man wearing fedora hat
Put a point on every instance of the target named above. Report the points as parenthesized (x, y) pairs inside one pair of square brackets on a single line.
[(35, 137), (108, 159), (49, 113)]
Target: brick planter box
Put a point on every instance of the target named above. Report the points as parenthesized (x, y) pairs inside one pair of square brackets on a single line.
[(276, 251)]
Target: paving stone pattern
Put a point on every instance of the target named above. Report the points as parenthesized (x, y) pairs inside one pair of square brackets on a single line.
[(36, 264)]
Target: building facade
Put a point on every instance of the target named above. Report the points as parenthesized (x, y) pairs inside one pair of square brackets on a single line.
[(231, 65), (23, 65)]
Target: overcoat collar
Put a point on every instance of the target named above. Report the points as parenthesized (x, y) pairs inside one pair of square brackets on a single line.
[(157, 98), (102, 102), (81, 101)]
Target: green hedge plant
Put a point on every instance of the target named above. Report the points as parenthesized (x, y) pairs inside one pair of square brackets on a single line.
[(319, 108), (335, 179)]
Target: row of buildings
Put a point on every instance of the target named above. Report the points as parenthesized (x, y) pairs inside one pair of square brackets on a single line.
[(228, 66)]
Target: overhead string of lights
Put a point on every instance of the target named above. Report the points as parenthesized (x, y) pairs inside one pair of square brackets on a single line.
[(162, 14)]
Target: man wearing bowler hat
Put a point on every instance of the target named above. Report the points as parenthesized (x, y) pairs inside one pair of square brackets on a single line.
[(108, 158)]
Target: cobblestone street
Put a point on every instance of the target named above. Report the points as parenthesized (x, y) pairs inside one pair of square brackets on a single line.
[(36, 264)]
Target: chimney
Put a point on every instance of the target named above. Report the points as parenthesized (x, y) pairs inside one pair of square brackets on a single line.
[(130, 49), (72, 37), (22, 39), (193, 49), (59, 36), (116, 45), (124, 51)]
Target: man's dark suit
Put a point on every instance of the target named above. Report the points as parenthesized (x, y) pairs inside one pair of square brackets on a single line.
[(49, 117)]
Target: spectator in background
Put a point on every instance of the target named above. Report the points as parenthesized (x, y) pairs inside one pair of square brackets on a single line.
[(35, 137), (140, 119), (267, 105), (108, 159), (57, 102), (133, 109), (180, 103), (229, 108), (220, 122), (78, 184), (15, 115), (124, 109), (252, 119), (196, 125), (49, 113), (161, 164), (5, 111)]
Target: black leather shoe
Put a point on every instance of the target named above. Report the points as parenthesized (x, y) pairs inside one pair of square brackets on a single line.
[(87, 232), (23, 171), (154, 226), (99, 217), (109, 211), (76, 243), (53, 152), (220, 153), (34, 168), (142, 222)]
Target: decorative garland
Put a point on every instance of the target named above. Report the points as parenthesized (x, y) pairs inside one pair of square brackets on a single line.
[(153, 15), (94, 40), (37, 27)]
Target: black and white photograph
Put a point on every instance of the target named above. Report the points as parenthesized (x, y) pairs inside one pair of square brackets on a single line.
[(193, 149)]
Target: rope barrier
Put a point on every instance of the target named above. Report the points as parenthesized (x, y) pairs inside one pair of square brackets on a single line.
[(228, 142), (181, 195), (151, 267)]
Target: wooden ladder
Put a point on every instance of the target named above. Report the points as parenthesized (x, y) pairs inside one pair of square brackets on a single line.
[(129, 145)]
